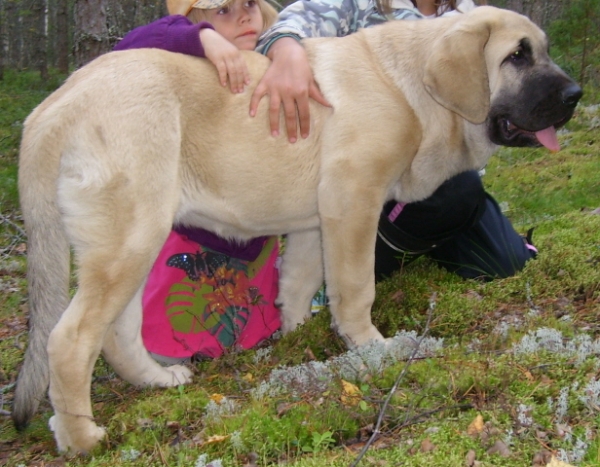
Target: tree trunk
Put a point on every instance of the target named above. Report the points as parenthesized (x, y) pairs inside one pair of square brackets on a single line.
[(124, 15), (3, 44), (91, 35), (37, 33), (541, 12), (14, 30), (588, 14), (62, 36), (100, 24)]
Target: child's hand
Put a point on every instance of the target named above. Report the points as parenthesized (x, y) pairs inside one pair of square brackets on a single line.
[(289, 83), (227, 58)]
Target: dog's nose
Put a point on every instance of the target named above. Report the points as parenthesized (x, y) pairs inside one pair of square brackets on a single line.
[(571, 95)]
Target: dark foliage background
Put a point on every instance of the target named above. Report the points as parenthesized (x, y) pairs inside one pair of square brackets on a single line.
[(65, 34)]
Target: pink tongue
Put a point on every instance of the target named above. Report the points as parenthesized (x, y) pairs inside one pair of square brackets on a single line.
[(548, 138)]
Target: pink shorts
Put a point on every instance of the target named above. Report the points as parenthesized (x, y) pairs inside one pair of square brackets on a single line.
[(199, 301)]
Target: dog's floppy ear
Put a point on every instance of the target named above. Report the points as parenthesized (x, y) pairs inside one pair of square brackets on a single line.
[(456, 72)]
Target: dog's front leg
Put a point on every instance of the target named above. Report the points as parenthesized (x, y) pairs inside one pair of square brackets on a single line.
[(349, 229), (301, 277)]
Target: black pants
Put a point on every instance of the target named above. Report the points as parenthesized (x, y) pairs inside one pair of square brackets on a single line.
[(460, 226)]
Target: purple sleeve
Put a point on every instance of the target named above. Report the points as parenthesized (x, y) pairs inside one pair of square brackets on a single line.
[(172, 33)]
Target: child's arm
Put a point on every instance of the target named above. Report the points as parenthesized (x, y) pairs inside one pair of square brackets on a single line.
[(172, 33), (177, 34), (227, 58)]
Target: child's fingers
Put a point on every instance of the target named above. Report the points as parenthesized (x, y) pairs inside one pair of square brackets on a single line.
[(238, 73), (246, 73), (222, 71)]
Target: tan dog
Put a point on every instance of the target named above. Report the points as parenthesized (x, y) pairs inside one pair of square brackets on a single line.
[(139, 140)]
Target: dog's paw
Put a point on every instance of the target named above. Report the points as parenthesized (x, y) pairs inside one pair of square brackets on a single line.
[(356, 337), (173, 376), (290, 323), (75, 435)]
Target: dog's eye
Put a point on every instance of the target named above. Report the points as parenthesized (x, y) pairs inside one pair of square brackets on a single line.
[(519, 56)]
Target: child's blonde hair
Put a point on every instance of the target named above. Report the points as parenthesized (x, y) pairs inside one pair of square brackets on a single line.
[(269, 14)]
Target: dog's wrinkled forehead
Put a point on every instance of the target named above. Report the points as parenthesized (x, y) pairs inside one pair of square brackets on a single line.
[(515, 36), (516, 46)]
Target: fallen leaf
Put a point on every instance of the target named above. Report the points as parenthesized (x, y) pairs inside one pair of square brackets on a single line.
[(284, 407), (216, 439), (248, 377), (309, 354), (489, 431), (476, 426), (473, 294), (554, 462), (541, 458), (470, 458), (427, 445), (351, 395), (398, 297), (499, 448), (251, 461), (217, 398)]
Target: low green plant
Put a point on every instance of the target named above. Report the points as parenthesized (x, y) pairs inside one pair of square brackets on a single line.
[(319, 442)]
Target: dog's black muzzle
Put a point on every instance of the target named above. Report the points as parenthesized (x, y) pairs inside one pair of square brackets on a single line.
[(530, 116)]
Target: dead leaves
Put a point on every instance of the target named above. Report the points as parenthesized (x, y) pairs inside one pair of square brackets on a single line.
[(470, 459), (427, 445), (476, 426), (351, 395), (500, 448), (217, 398), (485, 431), (542, 458), (554, 462)]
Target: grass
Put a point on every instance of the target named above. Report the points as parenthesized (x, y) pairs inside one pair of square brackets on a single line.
[(521, 352)]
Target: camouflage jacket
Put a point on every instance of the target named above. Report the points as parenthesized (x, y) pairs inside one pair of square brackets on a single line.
[(337, 18)]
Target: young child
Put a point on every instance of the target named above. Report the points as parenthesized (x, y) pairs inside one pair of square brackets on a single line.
[(212, 29), (205, 294)]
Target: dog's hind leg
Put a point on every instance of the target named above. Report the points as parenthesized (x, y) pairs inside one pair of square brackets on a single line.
[(125, 352), (109, 277), (301, 277), (117, 231)]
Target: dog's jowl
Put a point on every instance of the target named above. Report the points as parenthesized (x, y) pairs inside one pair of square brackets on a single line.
[(134, 142)]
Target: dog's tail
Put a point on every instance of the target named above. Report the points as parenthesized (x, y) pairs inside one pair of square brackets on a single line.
[(48, 260)]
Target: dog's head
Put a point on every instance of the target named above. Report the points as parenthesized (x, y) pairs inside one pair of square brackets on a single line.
[(493, 66)]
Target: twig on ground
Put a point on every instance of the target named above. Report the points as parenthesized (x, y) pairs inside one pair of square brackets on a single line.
[(5, 220), (15, 239), (415, 419), (3, 389), (376, 429), (15, 337)]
